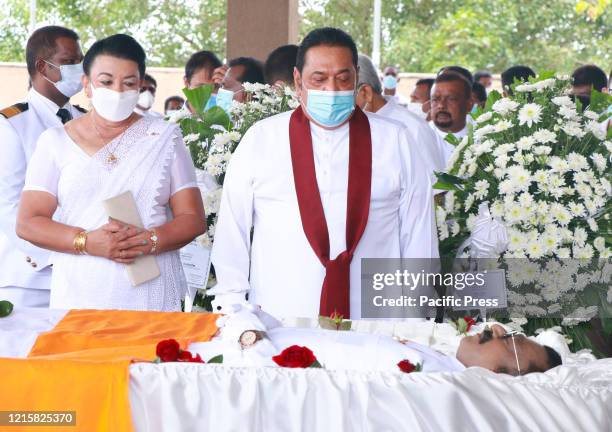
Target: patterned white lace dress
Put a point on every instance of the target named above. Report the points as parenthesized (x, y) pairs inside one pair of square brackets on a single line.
[(153, 163)]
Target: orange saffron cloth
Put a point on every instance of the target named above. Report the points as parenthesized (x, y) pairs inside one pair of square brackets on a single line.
[(82, 365)]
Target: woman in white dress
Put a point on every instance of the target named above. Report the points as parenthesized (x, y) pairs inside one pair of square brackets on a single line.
[(105, 153)]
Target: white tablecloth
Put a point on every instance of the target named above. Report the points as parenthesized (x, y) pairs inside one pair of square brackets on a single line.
[(190, 397)]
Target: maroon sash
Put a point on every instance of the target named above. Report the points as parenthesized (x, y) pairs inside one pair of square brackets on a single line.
[(335, 294)]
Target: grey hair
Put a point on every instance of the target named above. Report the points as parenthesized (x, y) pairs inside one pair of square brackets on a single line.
[(368, 74)]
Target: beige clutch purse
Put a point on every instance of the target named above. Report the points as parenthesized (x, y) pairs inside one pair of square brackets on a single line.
[(123, 208)]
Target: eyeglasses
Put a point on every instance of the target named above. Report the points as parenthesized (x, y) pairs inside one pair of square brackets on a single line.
[(511, 335)]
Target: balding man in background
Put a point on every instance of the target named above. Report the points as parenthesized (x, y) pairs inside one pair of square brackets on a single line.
[(370, 98)]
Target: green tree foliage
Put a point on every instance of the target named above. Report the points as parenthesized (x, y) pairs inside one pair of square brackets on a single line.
[(169, 30), (417, 35)]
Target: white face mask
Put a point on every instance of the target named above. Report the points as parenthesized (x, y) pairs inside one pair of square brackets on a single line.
[(70, 81), (112, 105), (146, 100), (417, 108)]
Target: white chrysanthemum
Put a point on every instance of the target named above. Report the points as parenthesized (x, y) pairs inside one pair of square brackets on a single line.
[(470, 222), (597, 129), (561, 214), (178, 115), (558, 165), (580, 236), (191, 138), (530, 114), (572, 128), (585, 253), (525, 88), (525, 143), (505, 106), (204, 241), (593, 224), (563, 101), (484, 117), (443, 231), (455, 229), (544, 84), (577, 209), (591, 115), (577, 162), (600, 161), (483, 131), (569, 112), (542, 150), (519, 177), (535, 250), (599, 243), (481, 189), (544, 136), (563, 253)]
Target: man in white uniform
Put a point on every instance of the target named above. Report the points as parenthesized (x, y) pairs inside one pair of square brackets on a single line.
[(314, 211), (54, 61), (451, 101), (369, 98)]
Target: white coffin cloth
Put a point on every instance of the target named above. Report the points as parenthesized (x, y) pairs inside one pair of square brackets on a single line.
[(188, 397)]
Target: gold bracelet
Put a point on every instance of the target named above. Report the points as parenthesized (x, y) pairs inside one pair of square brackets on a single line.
[(154, 239), (80, 242)]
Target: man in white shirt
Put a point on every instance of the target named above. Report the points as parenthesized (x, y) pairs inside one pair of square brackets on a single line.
[(54, 61), (314, 211), (420, 135), (146, 98), (451, 101)]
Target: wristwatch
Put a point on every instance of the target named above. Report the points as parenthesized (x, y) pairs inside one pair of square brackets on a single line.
[(248, 338)]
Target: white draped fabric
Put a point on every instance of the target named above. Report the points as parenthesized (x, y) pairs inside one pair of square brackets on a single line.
[(153, 164), (188, 397), (191, 397)]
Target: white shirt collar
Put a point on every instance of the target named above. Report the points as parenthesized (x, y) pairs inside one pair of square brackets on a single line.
[(48, 103)]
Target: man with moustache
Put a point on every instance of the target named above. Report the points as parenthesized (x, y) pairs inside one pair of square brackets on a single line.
[(451, 101), (320, 188)]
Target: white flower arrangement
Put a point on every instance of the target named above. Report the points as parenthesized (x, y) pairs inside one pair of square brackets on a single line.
[(541, 164)]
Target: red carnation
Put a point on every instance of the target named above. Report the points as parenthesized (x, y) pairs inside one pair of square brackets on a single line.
[(469, 321), (168, 350), (406, 366), (295, 357)]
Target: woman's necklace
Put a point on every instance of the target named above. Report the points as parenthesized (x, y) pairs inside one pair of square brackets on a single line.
[(111, 158)]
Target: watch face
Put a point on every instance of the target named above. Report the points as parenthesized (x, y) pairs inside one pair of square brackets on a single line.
[(248, 338)]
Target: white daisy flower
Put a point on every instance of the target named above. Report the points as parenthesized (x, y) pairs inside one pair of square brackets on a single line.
[(530, 114)]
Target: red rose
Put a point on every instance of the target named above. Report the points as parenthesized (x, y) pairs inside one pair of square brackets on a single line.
[(168, 350), (470, 322), (186, 356), (406, 366), (295, 357)]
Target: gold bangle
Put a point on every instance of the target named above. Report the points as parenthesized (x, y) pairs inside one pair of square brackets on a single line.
[(154, 239), (80, 242)]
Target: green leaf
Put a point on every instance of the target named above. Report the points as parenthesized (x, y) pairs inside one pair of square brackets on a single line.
[(345, 325), (600, 101), (542, 75), (448, 182), (6, 307), (316, 364), (216, 359), (452, 139), (493, 97), (198, 97), (216, 116)]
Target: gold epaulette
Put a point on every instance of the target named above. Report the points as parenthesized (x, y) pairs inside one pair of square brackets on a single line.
[(13, 110)]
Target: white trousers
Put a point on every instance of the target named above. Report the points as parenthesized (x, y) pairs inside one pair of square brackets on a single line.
[(25, 297)]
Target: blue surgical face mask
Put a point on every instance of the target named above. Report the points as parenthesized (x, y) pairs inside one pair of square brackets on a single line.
[(389, 82), (330, 108), (212, 101), (224, 99)]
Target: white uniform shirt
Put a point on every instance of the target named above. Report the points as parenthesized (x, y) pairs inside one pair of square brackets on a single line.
[(425, 140), (446, 148), (22, 264), (280, 270)]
